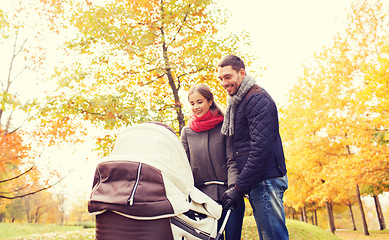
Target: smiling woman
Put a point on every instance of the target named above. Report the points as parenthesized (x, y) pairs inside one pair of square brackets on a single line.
[(207, 150)]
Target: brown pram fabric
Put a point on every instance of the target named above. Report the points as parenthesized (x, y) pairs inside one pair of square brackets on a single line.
[(114, 183), (112, 226)]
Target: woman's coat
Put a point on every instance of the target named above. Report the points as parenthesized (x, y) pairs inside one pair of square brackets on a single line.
[(211, 159)]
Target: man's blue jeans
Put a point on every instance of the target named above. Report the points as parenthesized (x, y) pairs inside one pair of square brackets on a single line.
[(234, 224), (268, 210)]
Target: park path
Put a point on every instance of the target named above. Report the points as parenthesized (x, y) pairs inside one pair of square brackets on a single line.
[(360, 236)]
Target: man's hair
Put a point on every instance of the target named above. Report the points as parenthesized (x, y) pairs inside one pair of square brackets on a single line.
[(231, 60)]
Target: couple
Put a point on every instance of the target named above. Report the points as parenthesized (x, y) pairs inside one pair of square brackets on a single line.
[(239, 153)]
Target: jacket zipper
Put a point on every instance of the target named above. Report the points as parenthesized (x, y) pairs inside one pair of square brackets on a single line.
[(131, 199)]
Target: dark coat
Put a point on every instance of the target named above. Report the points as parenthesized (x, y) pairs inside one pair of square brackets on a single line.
[(211, 159), (257, 143)]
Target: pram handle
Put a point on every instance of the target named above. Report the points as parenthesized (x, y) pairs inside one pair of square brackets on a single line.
[(203, 184), (223, 226)]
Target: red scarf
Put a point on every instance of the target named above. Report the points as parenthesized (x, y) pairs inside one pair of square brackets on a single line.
[(205, 122)]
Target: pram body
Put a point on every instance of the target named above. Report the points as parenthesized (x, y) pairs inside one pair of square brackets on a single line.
[(145, 190)]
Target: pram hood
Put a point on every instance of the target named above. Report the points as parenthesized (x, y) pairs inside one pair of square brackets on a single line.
[(157, 146), (164, 158)]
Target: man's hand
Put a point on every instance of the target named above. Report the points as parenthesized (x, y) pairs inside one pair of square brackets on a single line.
[(230, 197)]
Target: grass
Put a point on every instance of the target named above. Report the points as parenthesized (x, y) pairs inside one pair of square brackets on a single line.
[(358, 235), (300, 230), (19, 230), (297, 230)]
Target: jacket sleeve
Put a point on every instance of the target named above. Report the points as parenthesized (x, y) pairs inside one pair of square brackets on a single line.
[(184, 142), (232, 170), (260, 116)]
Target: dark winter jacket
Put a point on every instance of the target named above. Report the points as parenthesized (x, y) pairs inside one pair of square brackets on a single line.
[(257, 143), (211, 159)]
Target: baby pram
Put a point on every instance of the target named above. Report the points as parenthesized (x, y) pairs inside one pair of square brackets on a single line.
[(145, 190)]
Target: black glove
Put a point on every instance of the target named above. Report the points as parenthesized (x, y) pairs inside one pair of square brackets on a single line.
[(230, 197)]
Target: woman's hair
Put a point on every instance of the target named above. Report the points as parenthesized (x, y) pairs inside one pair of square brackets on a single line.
[(206, 92)]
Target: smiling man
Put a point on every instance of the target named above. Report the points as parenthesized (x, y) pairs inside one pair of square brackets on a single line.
[(251, 119)]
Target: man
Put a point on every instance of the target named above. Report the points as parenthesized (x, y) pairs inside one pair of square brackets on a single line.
[(252, 120)]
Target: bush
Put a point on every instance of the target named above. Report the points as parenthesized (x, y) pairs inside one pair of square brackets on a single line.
[(89, 225)]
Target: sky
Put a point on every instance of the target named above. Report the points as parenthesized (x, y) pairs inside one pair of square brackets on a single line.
[(285, 34)]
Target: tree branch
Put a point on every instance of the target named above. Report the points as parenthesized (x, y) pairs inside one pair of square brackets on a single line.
[(18, 176), (179, 29), (31, 193)]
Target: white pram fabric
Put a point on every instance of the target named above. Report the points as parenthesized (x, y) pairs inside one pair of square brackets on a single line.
[(147, 176)]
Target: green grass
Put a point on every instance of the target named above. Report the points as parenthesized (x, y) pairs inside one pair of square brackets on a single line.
[(297, 230), (300, 230), (18, 230)]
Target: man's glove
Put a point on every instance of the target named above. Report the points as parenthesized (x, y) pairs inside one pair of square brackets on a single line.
[(230, 197)]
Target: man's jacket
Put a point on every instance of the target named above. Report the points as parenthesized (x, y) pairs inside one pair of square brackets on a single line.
[(257, 143)]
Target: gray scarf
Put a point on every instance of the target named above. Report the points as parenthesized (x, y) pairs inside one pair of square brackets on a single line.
[(233, 102)]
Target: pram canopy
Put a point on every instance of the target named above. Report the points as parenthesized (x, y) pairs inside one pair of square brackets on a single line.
[(147, 176)]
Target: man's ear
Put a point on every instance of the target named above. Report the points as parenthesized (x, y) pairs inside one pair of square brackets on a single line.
[(242, 73)]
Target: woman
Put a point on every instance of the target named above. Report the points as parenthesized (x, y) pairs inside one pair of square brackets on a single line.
[(210, 154)]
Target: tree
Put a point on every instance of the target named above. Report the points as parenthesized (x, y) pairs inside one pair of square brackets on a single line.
[(41, 208), (374, 192), (335, 119), (134, 59), (22, 51), (364, 223), (15, 210), (78, 213)]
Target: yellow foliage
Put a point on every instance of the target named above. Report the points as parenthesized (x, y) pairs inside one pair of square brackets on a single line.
[(336, 124)]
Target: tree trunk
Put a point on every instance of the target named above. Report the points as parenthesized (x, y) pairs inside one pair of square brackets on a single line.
[(364, 223), (177, 103), (301, 215), (315, 217), (330, 217), (380, 215), (352, 215), (27, 208), (304, 214)]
